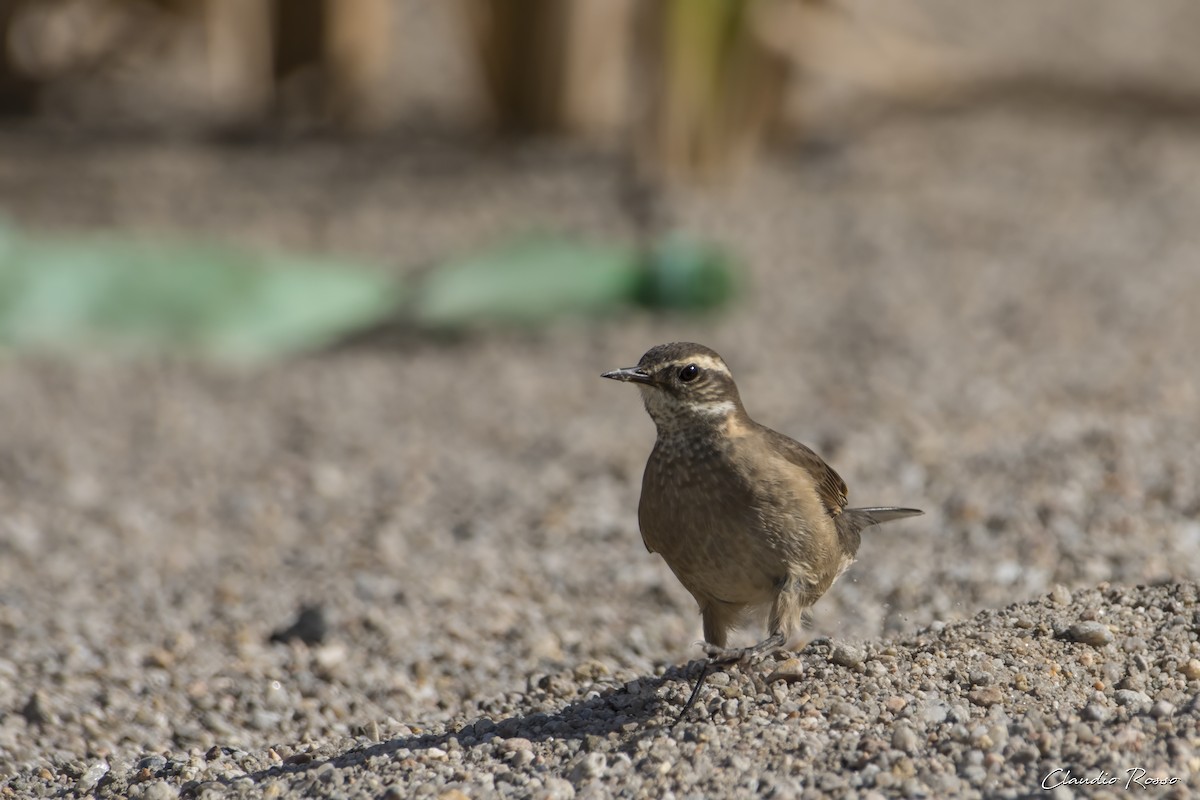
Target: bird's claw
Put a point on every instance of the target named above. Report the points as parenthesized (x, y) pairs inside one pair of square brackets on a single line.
[(743, 655), (722, 656)]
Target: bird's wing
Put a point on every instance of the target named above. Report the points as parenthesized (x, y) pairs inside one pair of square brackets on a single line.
[(830, 486)]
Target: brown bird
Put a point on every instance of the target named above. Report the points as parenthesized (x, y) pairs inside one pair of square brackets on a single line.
[(750, 521)]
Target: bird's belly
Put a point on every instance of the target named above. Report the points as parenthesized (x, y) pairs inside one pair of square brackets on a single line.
[(732, 579), (732, 533), (717, 547)]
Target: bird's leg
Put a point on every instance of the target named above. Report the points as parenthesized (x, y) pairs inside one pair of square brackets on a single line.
[(708, 665), (787, 613), (717, 620), (723, 655)]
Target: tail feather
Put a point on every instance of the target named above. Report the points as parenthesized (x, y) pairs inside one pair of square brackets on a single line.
[(850, 523), (878, 514)]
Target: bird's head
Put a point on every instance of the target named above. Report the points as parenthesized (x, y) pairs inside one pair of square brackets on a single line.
[(683, 383)]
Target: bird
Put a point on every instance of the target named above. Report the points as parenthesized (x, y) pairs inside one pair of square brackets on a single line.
[(752, 523)]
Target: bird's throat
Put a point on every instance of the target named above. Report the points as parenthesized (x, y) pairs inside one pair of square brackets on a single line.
[(692, 417)]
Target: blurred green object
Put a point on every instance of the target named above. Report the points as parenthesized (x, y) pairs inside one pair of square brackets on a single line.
[(685, 274), (534, 279), (105, 293), (211, 300)]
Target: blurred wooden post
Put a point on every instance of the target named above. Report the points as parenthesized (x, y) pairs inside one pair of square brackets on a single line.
[(18, 93), (559, 66), (715, 88), (239, 42), (598, 69), (251, 44), (358, 41)]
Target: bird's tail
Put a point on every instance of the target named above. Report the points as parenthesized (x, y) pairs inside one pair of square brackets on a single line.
[(851, 521), (866, 517)]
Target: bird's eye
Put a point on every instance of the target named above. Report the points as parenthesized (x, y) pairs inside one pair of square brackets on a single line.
[(689, 373)]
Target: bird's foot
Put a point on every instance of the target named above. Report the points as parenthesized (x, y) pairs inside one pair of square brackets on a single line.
[(743, 655), (726, 655), (721, 656)]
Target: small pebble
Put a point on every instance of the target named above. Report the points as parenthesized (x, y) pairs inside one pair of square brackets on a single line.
[(153, 763), (1095, 634), (310, 626), (1134, 644), (91, 778), (905, 738), (986, 696), (515, 744), (1162, 709), (557, 789), (161, 790), (845, 655), (981, 678), (1134, 700), (936, 712), (590, 766), (789, 671), (34, 710), (590, 671)]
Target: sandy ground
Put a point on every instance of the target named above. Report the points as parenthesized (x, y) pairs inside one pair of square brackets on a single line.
[(989, 315)]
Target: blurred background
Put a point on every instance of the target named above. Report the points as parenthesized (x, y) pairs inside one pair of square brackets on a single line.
[(304, 303), (658, 102)]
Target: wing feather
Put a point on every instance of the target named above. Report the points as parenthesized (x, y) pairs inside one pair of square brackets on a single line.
[(830, 486)]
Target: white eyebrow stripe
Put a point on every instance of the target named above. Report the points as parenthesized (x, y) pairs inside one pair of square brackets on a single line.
[(704, 362)]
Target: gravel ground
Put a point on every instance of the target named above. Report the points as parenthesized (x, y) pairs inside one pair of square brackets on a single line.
[(987, 315)]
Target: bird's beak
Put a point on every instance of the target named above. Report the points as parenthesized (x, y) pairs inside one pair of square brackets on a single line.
[(629, 375)]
